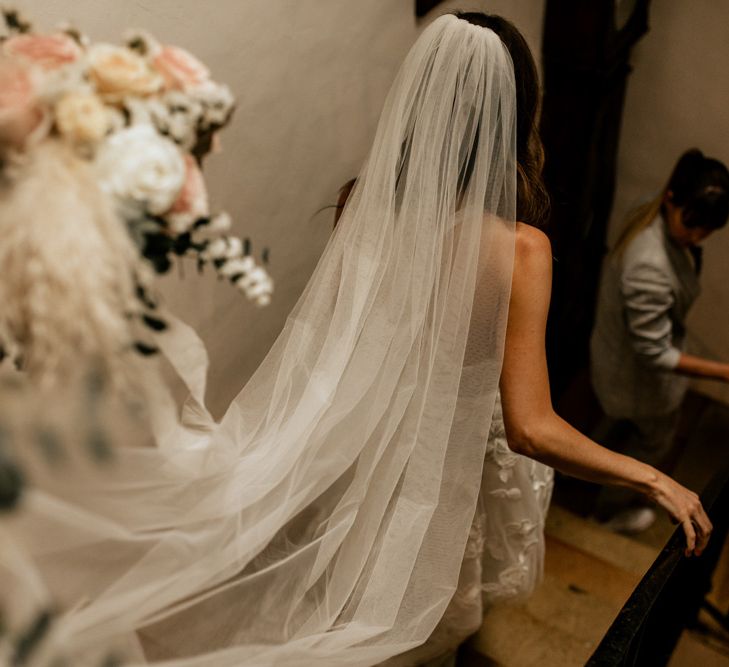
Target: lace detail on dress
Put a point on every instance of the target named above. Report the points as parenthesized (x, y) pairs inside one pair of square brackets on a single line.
[(509, 519), (505, 550)]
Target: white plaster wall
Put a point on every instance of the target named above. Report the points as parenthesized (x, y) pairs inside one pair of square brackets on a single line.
[(677, 98), (310, 77)]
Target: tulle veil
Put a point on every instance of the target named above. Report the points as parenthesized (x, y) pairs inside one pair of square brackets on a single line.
[(323, 520)]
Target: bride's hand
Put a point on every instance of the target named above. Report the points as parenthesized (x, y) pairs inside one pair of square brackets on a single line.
[(685, 508)]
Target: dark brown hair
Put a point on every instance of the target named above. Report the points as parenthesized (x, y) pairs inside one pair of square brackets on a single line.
[(532, 200), (698, 184)]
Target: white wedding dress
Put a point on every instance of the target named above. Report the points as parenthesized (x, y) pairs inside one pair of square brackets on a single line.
[(505, 548)]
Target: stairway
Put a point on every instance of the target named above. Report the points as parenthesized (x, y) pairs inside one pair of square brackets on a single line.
[(588, 575)]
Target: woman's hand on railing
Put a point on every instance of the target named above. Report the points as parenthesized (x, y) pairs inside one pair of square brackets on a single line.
[(684, 507)]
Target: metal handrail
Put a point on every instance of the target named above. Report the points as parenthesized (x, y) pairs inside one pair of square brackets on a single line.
[(670, 595)]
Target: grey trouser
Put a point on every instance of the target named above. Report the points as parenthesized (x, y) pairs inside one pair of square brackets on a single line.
[(648, 439)]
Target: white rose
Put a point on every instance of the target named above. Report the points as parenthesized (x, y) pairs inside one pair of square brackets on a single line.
[(140, 168), (82, 118)]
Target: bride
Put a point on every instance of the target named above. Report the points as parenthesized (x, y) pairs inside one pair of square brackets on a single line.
[(324, 520)]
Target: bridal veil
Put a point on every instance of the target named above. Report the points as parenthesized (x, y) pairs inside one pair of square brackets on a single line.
[(323, 520)]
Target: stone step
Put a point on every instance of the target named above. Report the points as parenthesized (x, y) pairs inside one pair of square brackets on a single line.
[(556, 627), (591, 538), (588, 575)]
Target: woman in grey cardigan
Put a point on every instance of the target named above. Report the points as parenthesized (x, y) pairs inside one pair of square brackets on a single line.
[(639, 368)]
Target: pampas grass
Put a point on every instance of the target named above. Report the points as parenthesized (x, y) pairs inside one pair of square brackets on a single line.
[(67, 267)]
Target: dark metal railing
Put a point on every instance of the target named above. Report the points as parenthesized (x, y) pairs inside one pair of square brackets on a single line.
[(668, 598)]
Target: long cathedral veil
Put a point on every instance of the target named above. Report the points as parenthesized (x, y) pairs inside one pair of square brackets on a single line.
[(324, 519)]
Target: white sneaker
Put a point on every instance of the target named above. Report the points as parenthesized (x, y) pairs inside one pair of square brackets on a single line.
[(631, 521)]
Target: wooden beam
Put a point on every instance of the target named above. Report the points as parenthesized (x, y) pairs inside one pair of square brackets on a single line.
[(422, 7)]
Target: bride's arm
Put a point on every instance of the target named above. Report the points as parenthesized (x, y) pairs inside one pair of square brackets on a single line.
[(532, 426)]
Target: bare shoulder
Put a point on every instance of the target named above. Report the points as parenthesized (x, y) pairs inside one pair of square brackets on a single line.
[(533, 252), (531, 241)]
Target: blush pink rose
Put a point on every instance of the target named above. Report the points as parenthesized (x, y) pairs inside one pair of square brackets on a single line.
[(20, 113), (47, 51), (180, 69), (192, 202)]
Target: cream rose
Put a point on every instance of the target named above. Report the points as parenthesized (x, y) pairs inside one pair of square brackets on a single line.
[(180, 69), (47, 51), (20, 113), (141, 169), (82, 118), (117, 71)]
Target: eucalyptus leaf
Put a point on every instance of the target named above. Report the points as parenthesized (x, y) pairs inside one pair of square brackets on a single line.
[(145, 350), (154, 323)]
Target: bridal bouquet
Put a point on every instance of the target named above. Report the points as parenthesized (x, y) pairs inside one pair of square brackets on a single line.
[(100, 187)]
